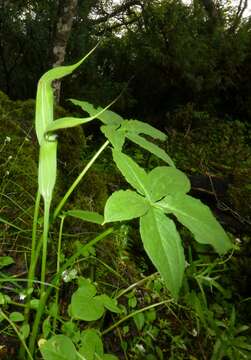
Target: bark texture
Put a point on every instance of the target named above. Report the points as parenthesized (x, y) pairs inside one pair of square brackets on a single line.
[(66, 12)]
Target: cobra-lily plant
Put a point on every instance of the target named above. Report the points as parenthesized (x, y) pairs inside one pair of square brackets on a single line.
[(152, 197)]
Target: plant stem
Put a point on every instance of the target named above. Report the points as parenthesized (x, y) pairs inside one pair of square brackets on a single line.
[(132, 286), (33, 244), (46, 294), (45, 242), (18, 333), (32, 266), (58, 270), (78, 179), (133, 314)]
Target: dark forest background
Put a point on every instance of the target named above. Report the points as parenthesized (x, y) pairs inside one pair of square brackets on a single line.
[(167, 54)]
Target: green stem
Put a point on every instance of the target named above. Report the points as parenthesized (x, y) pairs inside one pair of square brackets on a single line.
[(32, 266), (58, 270), (138, 283), (46, 294), (78, 179), (31, 272), (133, 314), (45, 242), (18, 333)]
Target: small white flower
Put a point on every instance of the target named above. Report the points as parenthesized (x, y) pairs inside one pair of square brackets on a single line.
[(69, 275), (22, 296), (9, 158), (194, 332), (7, 173), (7, 139), (140, 348), (238, 240)]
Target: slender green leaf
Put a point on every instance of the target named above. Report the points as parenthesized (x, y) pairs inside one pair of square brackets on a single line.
[(45, 100), (125, 205), (152, 148), (88, 216), (47, 169), (133, 173), (139, 127), (163, 246), (108, 117), (6, 222), (61, 71), (66, 122), (116, 137), (59, 347), (199, 219), (165, 180)]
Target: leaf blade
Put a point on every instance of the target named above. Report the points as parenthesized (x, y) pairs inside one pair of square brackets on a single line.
[(133, 173), (198, 218), (140, 127), (163, 246), (84, 215), (108, 117), (124, 205), (164, 180), (151, 147)]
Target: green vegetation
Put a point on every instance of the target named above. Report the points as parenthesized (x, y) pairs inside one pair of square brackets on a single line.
[(120, 238)]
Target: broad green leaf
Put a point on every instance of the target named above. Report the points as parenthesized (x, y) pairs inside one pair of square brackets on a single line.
[(110, 357), (116, 137), (152, 148), (91, 345), (139, 127), (88, 216), (164, 180), (125, 205), (66, 122), (133, 173), (47, 169), (108, 117), (110, 304), (84, 307), (59, 347), (163, 246), (199, 219), (89, 290), (16, 316), (6, 261)]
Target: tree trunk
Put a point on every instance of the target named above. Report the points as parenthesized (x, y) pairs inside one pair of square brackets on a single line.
[(66, 12)]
